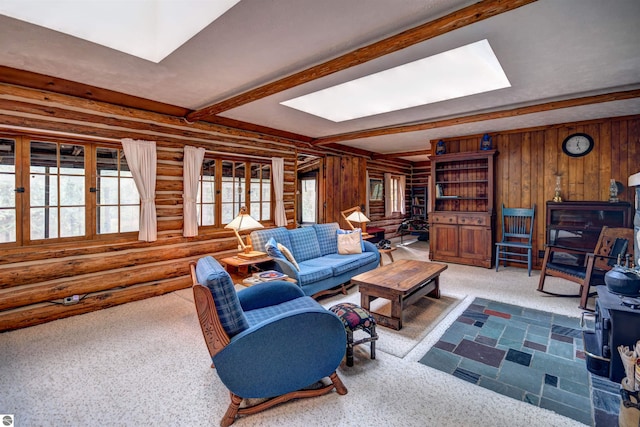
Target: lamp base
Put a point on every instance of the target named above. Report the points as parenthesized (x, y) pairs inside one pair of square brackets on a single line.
[(251, 255)]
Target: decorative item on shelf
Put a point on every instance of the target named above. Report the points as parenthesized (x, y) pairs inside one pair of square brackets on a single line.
[(613, 191), (355, 215), (486, 143), (244, 222), (556, 196), (440, 148), (439, 192)]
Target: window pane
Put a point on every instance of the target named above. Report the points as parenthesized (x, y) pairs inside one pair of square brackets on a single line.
[(107, 219), (72, 190), (129, 218), (7, 156), (44, 190), (129, 192), (206, 214), (72, 222), (266, 211), (7, 193), (44, 157), (44, 223), (71, 159), (108, 191), (7, 225), (309, 199)]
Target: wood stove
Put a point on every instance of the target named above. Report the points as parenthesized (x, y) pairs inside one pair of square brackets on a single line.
[(617, 322)]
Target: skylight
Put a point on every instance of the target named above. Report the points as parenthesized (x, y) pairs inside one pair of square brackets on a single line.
[(149, 29), (463, 71)]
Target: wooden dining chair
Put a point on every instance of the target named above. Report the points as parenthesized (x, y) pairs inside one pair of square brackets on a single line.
[(517, 235)]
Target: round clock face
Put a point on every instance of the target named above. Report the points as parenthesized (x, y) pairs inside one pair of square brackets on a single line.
[(577, 144)]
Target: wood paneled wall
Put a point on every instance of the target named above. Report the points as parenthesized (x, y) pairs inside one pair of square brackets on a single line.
[(530, 159), (34, 279)]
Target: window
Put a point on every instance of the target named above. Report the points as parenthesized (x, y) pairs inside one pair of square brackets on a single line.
[(56, 197), (7, 191), (227, 185), (118, 199), (309, 204), (394, 194)]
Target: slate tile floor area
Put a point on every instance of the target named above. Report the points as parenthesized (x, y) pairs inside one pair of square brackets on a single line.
[(529, 355)]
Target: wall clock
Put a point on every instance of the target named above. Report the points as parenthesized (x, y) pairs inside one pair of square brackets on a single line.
[(577, 145)]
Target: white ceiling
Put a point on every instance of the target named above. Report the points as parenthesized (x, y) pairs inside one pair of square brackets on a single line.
[(550, 50)]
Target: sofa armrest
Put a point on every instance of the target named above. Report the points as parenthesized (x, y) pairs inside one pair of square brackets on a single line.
[(287, 268), (283, 354), (268, 293), (370, 247)]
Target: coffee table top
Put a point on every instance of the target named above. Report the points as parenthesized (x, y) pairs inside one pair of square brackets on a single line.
[(401, 276)]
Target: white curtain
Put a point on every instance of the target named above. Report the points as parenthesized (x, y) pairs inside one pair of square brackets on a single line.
[(277, 168), (141, 158), (402, 181), (191, 168), (388, 206)]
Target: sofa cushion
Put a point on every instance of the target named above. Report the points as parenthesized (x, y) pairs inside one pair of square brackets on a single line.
[(304, 243), (344, 263), (211, 274), (272, 249), (327, 239), (259, 238), (350, 243), (314, 270), (288, 255), (355, 230)]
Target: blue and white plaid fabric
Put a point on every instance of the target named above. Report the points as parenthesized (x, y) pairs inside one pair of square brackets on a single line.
[(314, 270), (211, 274), (258, 315), (272, 249), (327, 238), (259, 238), (344, 263), (304, 244)]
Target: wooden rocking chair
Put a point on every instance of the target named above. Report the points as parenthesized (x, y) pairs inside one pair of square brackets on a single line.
[(613, 242)]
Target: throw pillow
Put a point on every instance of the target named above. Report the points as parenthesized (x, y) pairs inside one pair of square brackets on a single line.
[(288, 255), (355, 230), (272, 249), (349, 244)]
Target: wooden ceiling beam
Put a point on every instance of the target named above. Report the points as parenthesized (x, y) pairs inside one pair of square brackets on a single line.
[(455, 20), (513, 112), (403, 154)]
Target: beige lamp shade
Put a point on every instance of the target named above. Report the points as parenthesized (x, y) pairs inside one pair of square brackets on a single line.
[(243, 222), (357, 216)]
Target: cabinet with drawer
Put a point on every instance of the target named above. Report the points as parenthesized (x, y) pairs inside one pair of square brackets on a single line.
[(461, 208)]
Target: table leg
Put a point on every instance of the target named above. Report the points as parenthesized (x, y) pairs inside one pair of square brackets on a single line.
[(396, 310), (435, 293)]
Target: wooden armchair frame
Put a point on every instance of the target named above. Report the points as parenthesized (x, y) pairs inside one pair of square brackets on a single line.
[(217, 339), (596, 264)]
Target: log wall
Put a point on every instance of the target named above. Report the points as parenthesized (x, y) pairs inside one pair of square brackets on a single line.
[(529, 160), (106, 272)]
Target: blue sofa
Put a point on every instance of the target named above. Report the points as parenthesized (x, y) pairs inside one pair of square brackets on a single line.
[(315, 250)]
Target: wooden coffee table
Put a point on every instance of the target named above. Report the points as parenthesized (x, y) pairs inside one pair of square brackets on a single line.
[(403, 283)]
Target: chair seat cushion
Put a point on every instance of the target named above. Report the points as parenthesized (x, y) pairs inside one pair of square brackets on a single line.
[(572, 270)]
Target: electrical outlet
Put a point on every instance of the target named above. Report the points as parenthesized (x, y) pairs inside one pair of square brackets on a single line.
[(71, 300)]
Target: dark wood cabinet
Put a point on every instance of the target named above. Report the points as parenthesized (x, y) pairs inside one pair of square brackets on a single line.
[(577, 224), (461, 208)]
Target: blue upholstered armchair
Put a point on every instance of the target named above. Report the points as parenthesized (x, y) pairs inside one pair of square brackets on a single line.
[(267, 341)]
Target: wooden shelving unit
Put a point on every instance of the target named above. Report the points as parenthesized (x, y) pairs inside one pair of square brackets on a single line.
[(461, 208)]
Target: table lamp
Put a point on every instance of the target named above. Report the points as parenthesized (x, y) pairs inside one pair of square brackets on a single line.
[(356, 215), (243, 222)]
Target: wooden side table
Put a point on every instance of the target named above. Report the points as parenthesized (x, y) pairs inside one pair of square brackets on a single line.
[(240, 266), (388, 252)]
